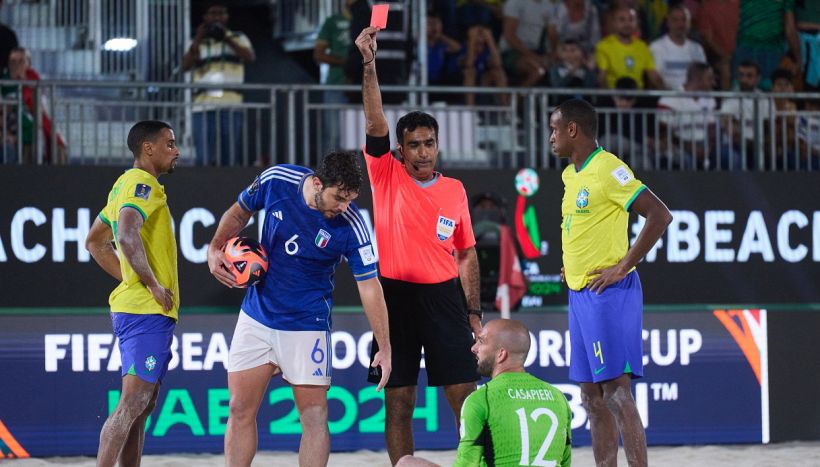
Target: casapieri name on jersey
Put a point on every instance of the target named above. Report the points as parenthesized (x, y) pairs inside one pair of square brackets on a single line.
[(194, 351), (530, 394), (35, 235), (723, 236)]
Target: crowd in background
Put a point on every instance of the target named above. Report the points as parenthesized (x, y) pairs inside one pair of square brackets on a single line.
[(685, 45), (17, 124), (751, 46), (593, 43)]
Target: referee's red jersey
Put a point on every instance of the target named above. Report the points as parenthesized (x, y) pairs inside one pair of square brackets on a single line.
[(417, 228)]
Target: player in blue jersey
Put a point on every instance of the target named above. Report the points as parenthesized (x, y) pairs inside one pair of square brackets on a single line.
[(310, 224)]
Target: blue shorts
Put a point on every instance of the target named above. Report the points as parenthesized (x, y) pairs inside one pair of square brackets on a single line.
[(145, 344), (606, 332)]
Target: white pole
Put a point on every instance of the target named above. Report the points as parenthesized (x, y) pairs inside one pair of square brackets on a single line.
[(504, 293)]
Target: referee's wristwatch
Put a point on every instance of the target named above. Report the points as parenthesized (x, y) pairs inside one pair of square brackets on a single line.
[(478, 313)]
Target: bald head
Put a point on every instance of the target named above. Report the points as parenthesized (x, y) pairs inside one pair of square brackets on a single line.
[(511, 335)]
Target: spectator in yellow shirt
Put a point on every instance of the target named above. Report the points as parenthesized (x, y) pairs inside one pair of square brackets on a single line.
[(622, 55)]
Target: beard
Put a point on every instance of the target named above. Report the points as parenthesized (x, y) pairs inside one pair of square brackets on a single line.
[(320, 205), (486, 367)]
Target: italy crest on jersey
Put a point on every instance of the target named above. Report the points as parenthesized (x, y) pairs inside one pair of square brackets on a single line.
[(583, 198), (322, 238), (445, 228)]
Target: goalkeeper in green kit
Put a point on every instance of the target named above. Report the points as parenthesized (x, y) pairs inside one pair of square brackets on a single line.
[(515, 418)]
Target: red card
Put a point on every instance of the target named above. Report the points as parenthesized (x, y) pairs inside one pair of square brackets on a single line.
[(378, 16)]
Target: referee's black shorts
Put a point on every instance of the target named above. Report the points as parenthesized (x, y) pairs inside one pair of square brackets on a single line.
[(433, 316)]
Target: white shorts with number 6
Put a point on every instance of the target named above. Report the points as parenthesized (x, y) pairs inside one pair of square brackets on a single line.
[(303, 357)]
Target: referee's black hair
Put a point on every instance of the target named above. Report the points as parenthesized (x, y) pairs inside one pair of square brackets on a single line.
[(341, 169), (582, 113), (146, 130), (414, 120)]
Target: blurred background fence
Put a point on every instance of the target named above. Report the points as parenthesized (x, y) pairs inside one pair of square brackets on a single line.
[(291, 123)]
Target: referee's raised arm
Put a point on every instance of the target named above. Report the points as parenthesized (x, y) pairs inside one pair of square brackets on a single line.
[(371, 95)]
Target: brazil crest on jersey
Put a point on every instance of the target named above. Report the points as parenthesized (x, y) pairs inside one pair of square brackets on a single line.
[(304, 249)]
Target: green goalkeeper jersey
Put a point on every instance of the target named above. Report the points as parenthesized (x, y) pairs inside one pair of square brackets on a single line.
[(515, 419)]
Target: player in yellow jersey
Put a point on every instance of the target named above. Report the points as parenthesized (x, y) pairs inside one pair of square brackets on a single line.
[(605, 296), (144, 305)]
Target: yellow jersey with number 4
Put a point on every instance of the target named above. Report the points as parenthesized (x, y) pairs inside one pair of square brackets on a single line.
[(137, 189), (595, 215)]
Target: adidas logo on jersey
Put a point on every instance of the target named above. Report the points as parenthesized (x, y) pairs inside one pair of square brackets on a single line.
[(277, 214), (318, 372)]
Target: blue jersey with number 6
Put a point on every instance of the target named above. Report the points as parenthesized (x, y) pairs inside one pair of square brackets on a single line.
[(304, 249)]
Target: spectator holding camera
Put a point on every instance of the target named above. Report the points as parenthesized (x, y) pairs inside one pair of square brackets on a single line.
[(217, 55)]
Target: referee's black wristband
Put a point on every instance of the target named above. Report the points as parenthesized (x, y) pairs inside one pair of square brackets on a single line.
[(478, 313), (377, 146)]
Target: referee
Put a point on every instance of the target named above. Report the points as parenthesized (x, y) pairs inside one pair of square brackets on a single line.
[(428, 263)]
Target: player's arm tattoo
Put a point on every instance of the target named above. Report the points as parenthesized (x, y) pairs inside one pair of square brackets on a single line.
[(131, 247), (467, 261), (232, 222)]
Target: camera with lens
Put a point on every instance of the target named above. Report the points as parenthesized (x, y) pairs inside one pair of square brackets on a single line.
[(215, 31)]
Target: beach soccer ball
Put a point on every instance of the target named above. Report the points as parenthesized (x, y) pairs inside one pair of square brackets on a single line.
[(249, 260), (526, 182)]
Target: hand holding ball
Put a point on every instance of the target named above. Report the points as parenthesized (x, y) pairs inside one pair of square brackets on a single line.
[(249, 260)]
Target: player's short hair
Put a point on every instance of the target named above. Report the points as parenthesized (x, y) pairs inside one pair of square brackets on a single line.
[(341, 169), (146, 130), (582, 113), (414, 120)]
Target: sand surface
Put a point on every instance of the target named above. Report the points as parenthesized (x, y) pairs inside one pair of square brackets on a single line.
[(803, 454)]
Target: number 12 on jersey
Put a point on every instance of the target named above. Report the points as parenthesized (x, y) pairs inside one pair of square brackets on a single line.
[(539, 460)]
